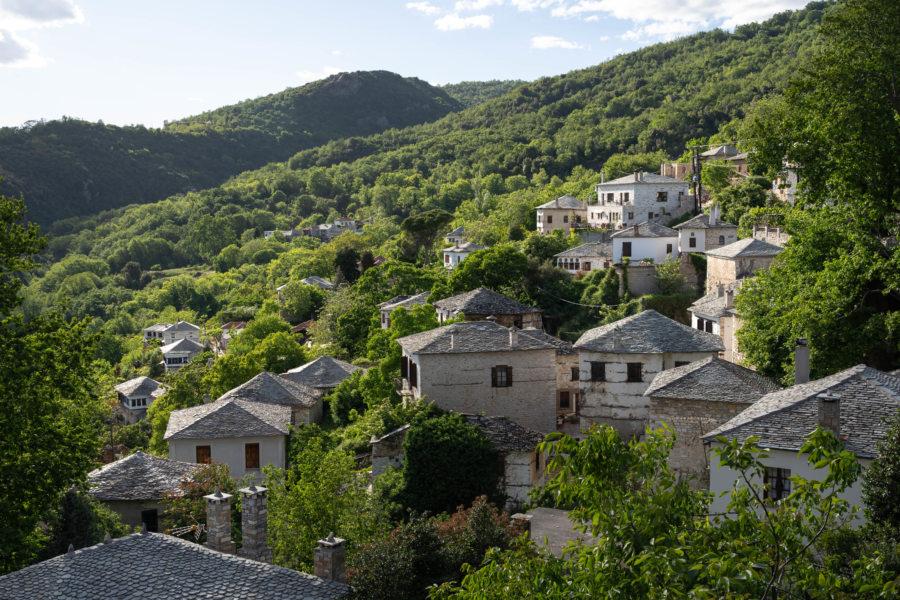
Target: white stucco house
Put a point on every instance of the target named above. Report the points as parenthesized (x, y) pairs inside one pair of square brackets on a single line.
[(403, 301), (585, 258), (167, 333), (706, 231), (637, 198), (179, 353), (618, 361), (458, 252), (565, 212), (645, 242), (135, 397), (855, 404)]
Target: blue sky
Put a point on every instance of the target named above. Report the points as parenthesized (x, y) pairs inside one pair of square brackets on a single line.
[(128, 62)]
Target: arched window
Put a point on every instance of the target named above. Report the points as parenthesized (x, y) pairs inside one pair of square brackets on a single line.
[(721, 240)]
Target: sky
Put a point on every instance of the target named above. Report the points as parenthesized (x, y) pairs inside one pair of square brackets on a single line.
[(127, 62)]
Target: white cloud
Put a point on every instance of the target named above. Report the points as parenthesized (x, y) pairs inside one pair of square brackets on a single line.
[(453, 22), (307, 76), (668, 30), (547, 42), (23, 15), (530, 5), (424, 7), (475, 4)]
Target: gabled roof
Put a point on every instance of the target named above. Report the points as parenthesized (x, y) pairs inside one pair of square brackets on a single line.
[(644, 177), (745, 248), (458, 232), (470, 336), (229, 417), (155, 565), (158, 327), (712, 305), (183, 326), (723, 151), (138, 477), (701, 221), (505, 435), (783, 420), (323, 373), (464, 247), (141, 386), (182, 345), (591, 249), (319, 282), (405, 301), (648, 332), (645, 229), (711, 380), (234, 325), (272, 389), (302, 326), (562, 346), (566, 202), (482, 301)]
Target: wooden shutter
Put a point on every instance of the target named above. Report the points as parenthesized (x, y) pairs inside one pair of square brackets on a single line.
[(204, 456), (251, 456), (509, 378)]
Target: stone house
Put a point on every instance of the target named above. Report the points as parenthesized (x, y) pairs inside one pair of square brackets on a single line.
[(568, 388), (565, 212), (618, 361), (650, 242), (740, 166), (737, 261), (481, 303), (288, 234), (322, 374), (232, 329), (696, 398), (167, 333), (457, 253), (720, 152), (457, 236), (585, 258), (134, 487), (637, 198), (785, 185), (715, 313), (855, 404), (319, 282), (135, 397), (403, 301), (482, 367), (177, 354), (706, 231)]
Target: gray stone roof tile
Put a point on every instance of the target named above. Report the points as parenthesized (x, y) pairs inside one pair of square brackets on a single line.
[(745, 248), (784, 419), (182, 345), (405, 301), (228, 417), (712, 305), (158, 566), (723, 151), (464, 247), (591, 249), (483, 301), (645, 229), (701, 221), (471, 336), (505, 435), (566, 202), (141, 386), (712, 380), (323, 373), (562, 346), (274, 389), (648, 178), (648, 332), (138, 477)]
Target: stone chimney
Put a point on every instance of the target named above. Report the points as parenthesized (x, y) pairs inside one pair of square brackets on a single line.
[(329, 558), (729, 299), (218, 522), (713, 214), (452, 342), (254, 524), (801, 361), (602, 176), (513, 336), (830, 412)]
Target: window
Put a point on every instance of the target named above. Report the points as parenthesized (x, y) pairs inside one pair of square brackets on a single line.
[(692, 243), (668, 248), (681, 363), (662, 196), (700, 324), (598, 371), (150, 518), (626, 248), (709, 326), (777, 482), (721, 240), (575, 374), (501, 376), (251, 456), (517, 321), (549, 218), (635, 372), (631, 215), (565, 218), (625, 196), (609, 197), (204, 456), (564, 399), (578, 218), (446, 258), (413, 374)]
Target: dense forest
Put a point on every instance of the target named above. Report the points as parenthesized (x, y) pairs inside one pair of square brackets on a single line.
[(470, 93)]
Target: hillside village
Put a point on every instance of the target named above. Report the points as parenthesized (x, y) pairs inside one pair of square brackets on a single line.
[(352, 374)]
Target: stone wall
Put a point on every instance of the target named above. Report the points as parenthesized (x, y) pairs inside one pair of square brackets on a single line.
[(388, 452), (522, 471), (231, 452), (772, 235), (129, 511), (564, 382), (726, 270)]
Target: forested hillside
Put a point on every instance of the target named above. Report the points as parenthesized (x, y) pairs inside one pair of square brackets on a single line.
[(70, 167), (470, 93)]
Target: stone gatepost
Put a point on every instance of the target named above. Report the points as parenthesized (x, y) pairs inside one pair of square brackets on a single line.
[(330, 557), (218, 522), (254, 524)]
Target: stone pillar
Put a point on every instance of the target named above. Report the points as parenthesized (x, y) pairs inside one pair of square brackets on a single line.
[(218, 522), (254, 524), (329, 558)]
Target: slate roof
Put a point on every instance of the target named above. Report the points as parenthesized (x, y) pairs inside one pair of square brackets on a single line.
[(319, 282), (470, 336), (701, 221), (323, 373), (723, 151), (645, 178), (482, 301), (155, 565), (745, 248), (229, 417), (158, 327), (646, 229), (589, 250), (505, 435), (405, 301), (648, 332), (182, 345), (712, 305), (783, 420), (183, 326), (458, 232), (712, 380), (273, 389), (566, 202), (141, 386), (562, 346), (464, 247), (138, 476)]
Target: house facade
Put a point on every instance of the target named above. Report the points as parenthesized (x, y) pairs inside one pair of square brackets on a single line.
[(706, 231), (177, 354), (650, 242), (458, 252), (739, 260), (482, 367), (167, 333), (585, 258), (637, 198), (565, 212), (403, 301), (135, 397), (482, 303), (457, 236), (618, 361)]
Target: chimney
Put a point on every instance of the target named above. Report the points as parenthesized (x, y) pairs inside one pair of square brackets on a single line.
[(329, 557), (218, 522), (491, 318), (452, 341), (713, 214), (720, 290), (602, 176), (254, 524), (729, 299), (830, 412), (801, 361), (513, 336), (635, 229)]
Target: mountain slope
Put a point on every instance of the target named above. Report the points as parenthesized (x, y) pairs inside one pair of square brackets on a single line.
[(69, 168)]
